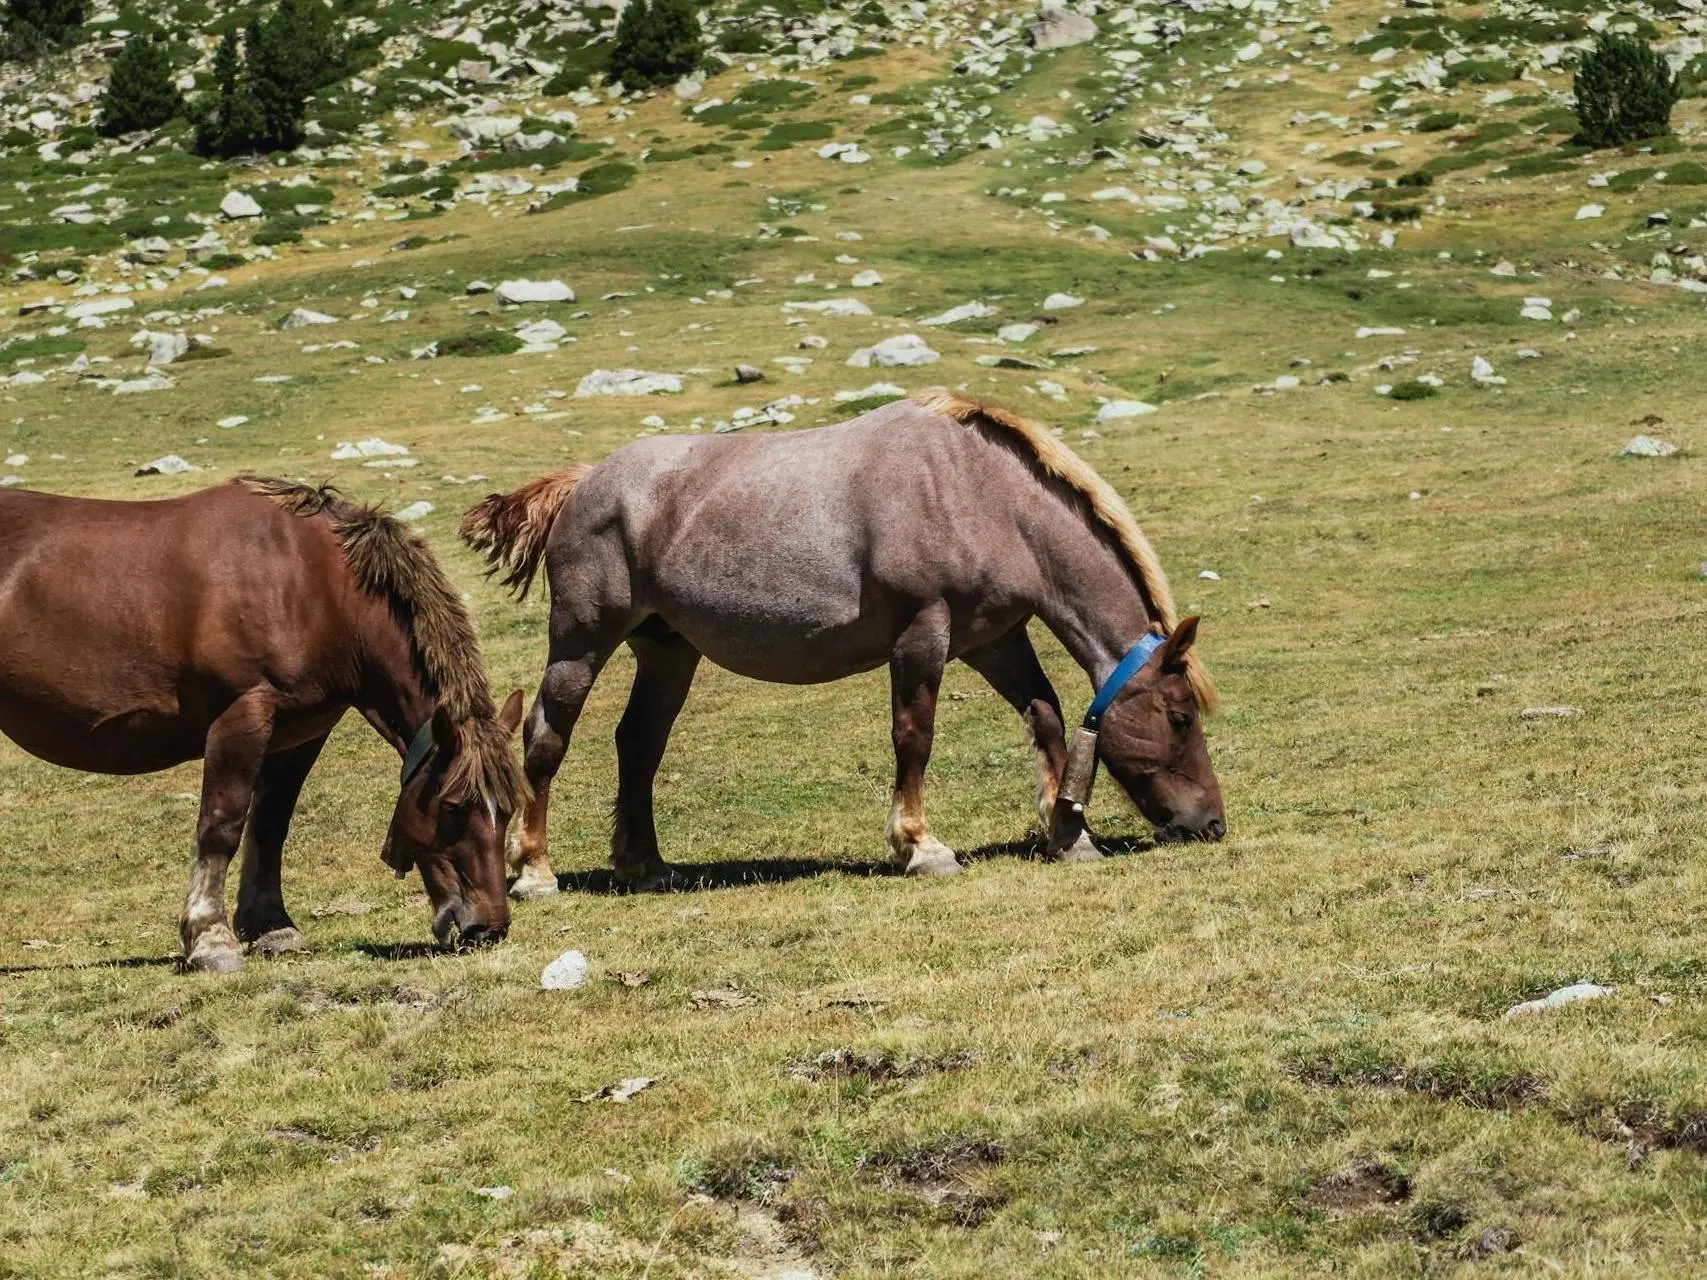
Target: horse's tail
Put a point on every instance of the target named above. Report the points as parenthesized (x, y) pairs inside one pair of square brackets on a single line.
[(511, 529)]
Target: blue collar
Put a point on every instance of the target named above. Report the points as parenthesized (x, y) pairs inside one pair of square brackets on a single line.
[(419, 748), (1123, 672)]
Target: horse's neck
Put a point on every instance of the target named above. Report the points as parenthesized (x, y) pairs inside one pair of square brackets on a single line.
[(393, 697), (1093, 606)]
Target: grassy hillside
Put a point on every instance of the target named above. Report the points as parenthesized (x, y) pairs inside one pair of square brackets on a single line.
[(1280, 1054)]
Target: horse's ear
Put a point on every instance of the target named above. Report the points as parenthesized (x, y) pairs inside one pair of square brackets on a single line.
[(1179, 643), (510, 718), (445, 734)]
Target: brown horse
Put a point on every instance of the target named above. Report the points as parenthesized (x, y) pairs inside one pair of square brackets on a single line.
[(238, 624), (919, 532)]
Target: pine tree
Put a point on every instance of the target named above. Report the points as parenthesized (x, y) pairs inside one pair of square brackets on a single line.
[(35, 26), (264, 83), (231, 122), (140, 93), (655, 43), (1625, 91)]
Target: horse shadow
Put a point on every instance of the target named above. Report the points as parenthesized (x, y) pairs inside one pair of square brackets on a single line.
[(122, 962), (734, 873), (1032, 848)]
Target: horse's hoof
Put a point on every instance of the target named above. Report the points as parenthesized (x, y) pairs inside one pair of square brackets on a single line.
[(279, 942), (1081, 850), (931, 857), (214, 959), (533, 884), (659, 878)]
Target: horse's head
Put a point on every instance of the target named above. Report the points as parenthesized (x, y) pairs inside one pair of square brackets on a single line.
[(1151, 739), (451, 823)]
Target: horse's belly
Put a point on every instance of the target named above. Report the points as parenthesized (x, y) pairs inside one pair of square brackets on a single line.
[(135, 742), (783, 648)]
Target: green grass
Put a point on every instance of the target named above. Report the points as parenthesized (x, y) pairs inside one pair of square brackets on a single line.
[(1280, 1055)]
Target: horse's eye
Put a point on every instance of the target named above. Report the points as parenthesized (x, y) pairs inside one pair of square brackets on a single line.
[(1179, 719)]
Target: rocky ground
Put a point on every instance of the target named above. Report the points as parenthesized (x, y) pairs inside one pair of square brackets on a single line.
[(1401, 381)]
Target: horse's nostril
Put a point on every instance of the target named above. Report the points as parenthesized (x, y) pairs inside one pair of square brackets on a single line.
[(1214, 829)]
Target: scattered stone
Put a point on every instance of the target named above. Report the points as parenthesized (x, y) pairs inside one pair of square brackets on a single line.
[(627, 382), (965, 311), (372, 447), (239, 204), (495, 1193), (1209, 575), (1560, 998), (747, 373), (416, 511), (830, 307), (1647, 447), (302, 317), (541, 335), (170, 465), (566, 973), (621, 1091), (1590, 211), (1115, 410), (866, 280), (1549, 713), (475, 287), (485, 130), (96, 307), (1017, 332), (1057, 28), (873, 392), (163, 348), (1062, 302), (903, 350), (134, 386), (514, 293)]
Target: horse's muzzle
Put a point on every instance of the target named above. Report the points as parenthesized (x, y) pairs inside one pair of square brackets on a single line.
[(1179, 832), (457, 928)]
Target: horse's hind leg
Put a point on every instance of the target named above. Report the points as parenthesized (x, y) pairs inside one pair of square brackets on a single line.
[(1010, 665), (915, 675), (261, 919), (236, 747), (574, 664), (664, 672)]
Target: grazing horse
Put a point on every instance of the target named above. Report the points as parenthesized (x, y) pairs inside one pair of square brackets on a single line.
[(237, 625), (922, 531)]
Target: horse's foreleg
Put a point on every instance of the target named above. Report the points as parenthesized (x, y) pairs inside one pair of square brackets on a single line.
[(915, 675), (664, 671), (236, 747), (261, 919), (545, 738), (1011, 666)]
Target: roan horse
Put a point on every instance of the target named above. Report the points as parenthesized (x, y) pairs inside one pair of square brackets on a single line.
[(238, 624), (923, 531)]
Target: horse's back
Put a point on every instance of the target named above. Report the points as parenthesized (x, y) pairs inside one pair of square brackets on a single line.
[(796, 555), (117, 615)]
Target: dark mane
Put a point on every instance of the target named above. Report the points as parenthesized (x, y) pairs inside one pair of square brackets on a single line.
[(389, 561)]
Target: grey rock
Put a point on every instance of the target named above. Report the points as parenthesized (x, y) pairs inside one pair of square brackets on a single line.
[(239, 204), (748, 373), (1055, 28), (1647, 447), (1560, 998), (170, 465), (627, 382)]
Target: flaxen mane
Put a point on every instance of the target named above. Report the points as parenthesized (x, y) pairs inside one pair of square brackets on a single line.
[(388, 560), (1060, 463)]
